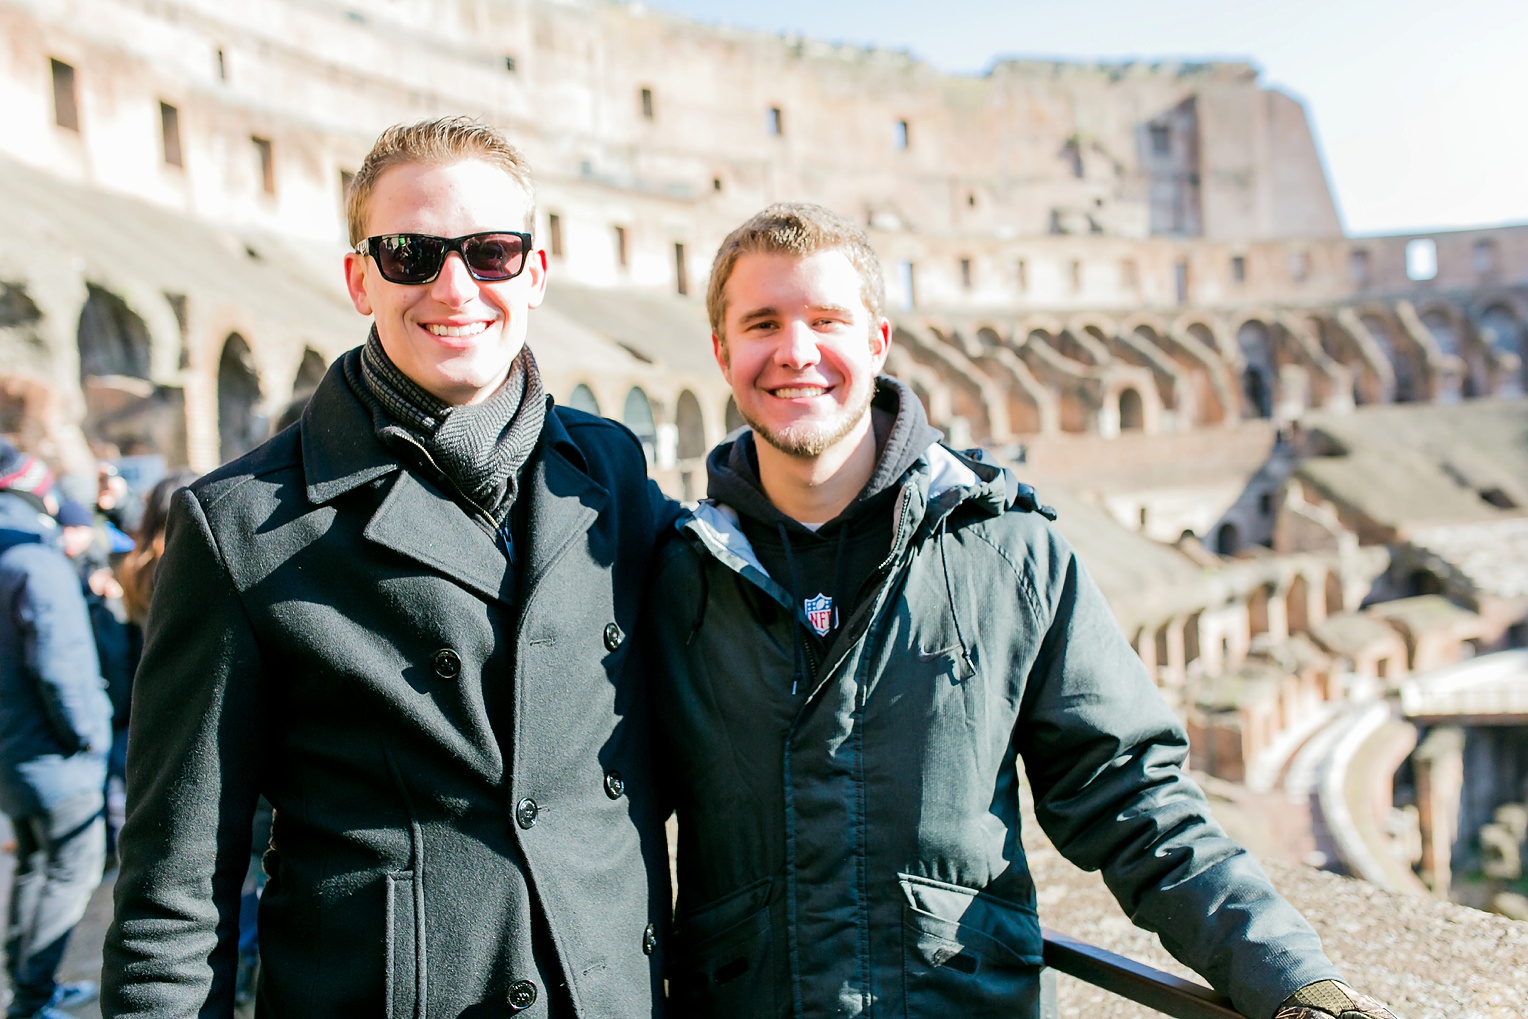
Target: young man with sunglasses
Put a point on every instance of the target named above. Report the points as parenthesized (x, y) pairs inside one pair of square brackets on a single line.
[(864, 633), (403, 621)]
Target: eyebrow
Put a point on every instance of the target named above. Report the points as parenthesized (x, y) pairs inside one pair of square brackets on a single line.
[(761, 313)]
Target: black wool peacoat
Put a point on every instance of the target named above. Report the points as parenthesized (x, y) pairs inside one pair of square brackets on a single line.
[(455, 747)]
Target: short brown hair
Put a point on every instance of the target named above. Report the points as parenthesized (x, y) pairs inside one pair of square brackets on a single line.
[(442, 141), (799, 229)]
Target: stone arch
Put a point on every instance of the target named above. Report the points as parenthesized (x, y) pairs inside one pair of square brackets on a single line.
[(113, 339), (241, 421), (123, 407), (1192, 345), (1335, 602), (1501, 332), (1228, 540), (967, 402), (1074, 347), (310, 372), (1257, 610), (1405, 361), (1454, 337), (1348, 343), (1022, 392), (1259, 371), (988, 336), (1297, 602), (583, 398), (1192, 649), (637, 414), (690, 426), (1142, 347), (1077, 412), (1444, 322), (1206, 329), (733, 418), (1132, 414)]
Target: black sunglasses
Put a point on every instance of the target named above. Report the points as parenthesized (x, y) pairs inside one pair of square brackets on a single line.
[(415, 259)]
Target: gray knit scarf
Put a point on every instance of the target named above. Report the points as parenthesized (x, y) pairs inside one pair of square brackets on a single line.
[(481, 447)]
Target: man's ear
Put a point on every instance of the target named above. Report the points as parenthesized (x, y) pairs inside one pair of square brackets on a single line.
[(880, 343), (355, 282), (719, 351), (535, 269)]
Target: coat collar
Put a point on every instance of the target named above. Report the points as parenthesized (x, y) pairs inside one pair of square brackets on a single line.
[(938, 481), (340, 448), (341, 452)]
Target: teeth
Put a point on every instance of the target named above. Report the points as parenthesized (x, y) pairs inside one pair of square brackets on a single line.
[(799, 392), (466, 330)]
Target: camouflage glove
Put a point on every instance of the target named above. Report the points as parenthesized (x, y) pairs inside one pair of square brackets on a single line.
[(1328, 998)]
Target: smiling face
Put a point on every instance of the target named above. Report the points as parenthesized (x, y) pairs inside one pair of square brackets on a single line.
[(801, 350), (456, 336)]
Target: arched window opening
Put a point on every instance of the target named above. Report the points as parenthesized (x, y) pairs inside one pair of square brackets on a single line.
[(113, 340), (1334, 600), (1132, 414), (690, 426), (638, 416), (1258, 392), (309, 373), (241, 426), (1256, 345), (1228, 539), (582, 398)]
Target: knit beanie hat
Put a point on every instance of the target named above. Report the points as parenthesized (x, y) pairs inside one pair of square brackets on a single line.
[(22, 472)]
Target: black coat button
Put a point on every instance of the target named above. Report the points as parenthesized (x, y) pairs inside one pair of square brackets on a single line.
[(448, 664), (615, 785), (522, 995), (525, 813), (613, 636), (649, 940)]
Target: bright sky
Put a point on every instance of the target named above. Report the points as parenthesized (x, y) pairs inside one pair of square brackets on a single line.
[(1420, 107)]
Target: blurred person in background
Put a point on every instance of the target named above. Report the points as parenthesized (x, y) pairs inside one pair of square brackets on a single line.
[(55, 724), (135, 575), (91, 544)]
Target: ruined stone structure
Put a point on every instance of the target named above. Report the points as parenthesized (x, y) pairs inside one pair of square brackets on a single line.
[(1130, 280), (1072, 248)]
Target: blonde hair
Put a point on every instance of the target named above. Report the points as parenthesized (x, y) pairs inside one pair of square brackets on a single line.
[(443, 141), (798, 229)]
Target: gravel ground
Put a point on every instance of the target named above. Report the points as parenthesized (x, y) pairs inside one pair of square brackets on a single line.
[(1425, 958)]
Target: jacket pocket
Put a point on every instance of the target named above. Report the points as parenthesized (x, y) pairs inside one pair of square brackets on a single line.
[(403, 942), (723, 958), (967, 953)]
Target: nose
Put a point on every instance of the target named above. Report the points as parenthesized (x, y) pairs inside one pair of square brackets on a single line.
[(455, 285), (798, 346)]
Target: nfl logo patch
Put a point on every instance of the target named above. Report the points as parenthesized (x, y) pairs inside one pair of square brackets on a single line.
[(819, 613)]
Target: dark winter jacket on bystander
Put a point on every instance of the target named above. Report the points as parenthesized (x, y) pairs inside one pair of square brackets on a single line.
[(54, 715)]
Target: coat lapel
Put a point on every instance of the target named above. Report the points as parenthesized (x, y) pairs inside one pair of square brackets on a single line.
[(419, 521), (564, 502)]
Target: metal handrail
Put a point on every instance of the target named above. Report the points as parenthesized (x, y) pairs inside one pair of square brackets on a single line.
[(1136, 981)]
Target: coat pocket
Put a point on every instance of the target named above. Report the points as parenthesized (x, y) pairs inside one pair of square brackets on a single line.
[(403, 992), (724, 957), (967, 953)]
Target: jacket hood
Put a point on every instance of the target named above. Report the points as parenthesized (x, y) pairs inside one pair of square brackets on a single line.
[(23, 522), (902, 434), (932, 481)]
